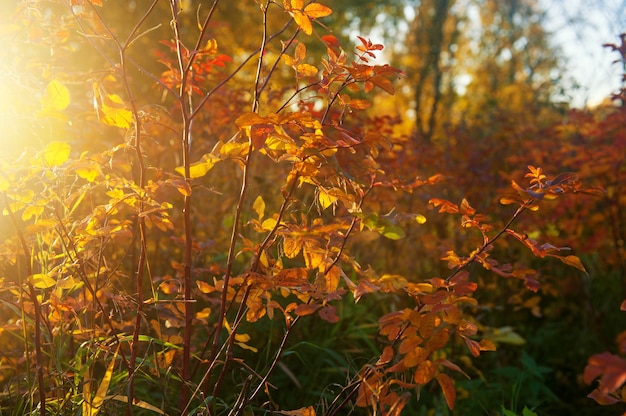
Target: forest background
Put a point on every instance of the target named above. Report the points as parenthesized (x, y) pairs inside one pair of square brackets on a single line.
[(253, 207)]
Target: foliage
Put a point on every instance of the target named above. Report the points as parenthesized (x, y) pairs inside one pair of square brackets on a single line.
[(188, 239)]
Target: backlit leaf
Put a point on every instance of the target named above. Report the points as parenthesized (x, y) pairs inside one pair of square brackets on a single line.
[(302, 21), (56, 153), (393, 232), (90, 173), (292, 246), (315, 10), (41, 281), (204, 287), (325, 199), (115, 113), (250, 119), (306, 70), (573, 261), (56, 97), (200, 168)]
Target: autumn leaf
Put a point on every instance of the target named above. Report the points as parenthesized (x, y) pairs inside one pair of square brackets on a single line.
[(200, 168), (56, 153), (424, 372), (573, 261), (114, 112), (56, 97), (41, 281), (447, 386), (316, 10), (259, 207), (304, 411)]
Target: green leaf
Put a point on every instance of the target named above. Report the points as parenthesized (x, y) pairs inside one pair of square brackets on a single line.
[(528, 412), (393, 232), (506, 412)]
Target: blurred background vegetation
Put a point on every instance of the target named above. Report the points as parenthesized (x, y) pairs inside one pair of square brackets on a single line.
[(486, 92)]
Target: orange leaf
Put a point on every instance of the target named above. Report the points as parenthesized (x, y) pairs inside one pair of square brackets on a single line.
[(304, 411), (447, 386), (383, 83), (386, 356), (473, 346), (427, 325), (315, 10), (291, 277), (292, 246), (573, 261), (438, 340), (333, 276), (424, 372), (250, 119), (306, 309)]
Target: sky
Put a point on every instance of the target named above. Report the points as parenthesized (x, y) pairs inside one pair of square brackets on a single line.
[(579, 28)]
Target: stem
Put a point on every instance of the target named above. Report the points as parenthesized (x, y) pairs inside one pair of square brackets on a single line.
[(492, 240), (37, 306)]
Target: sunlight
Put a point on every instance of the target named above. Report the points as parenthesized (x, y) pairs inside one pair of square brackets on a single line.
[(18, 108)]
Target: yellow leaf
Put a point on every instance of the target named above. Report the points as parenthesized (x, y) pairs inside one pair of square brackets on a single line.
[(259, 207), (315, 10), (56, 97), (205, 287), (292, 246), (294, 4), (306, 70), (41, 280), (200, 168), (203, 314), (90, 173), (242, 337), (313, 255), (210, 47), (56, 153), (98, 400), (302, 21), (115, 113), (32, 210), (263, 259), (4, 183), (325, 198), (420, 219), (268, 224)]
